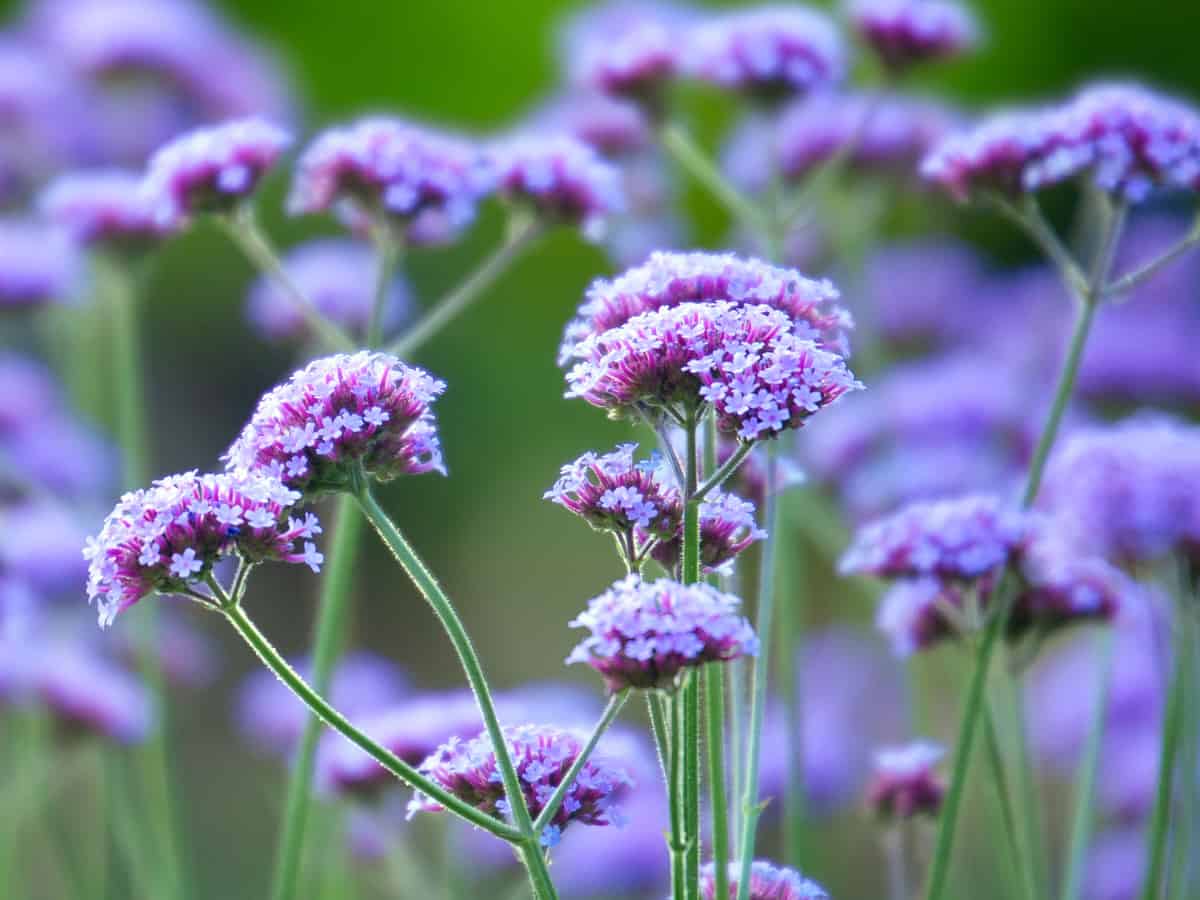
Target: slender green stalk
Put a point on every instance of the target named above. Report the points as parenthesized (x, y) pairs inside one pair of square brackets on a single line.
[(1035, 841), (722, 474), (522, 233), (1131, 279), (897, 862), (1004, 795), (1083, 818), (666, 737), (330, 627), (388, 251), (714, 696), (691, 690), (791, 643), (1180, 881)]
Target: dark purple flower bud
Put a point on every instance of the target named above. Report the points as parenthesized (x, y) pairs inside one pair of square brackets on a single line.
[(102, 208), (767, 882), (906, 32), (905, 782)]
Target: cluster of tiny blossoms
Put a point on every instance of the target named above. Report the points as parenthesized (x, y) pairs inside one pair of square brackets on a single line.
[(542, 755), (626, 51), (746, 362), (104, 207), (728, 525), (341, 411), (167, 537), (767, 882), (905, 32), (905, 782), (643, 634)]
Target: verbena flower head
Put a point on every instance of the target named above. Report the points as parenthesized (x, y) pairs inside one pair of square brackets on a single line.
[(104, 208), (728, 525), (429, 182), (541, 754), (769, 52), (38, 265), (669, 279), (561, 178), (767, 882), (167, 538), (42, 546), (339, 277), (905, 32), (87, 694), (905, 782), (643, 634), (211, 169), (342, 411), (614, 128)]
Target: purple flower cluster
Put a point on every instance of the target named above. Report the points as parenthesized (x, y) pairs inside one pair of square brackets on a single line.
[(430, 181), (905, 32), (362, 409), (668, 280), (168, 537), (339, 277), (626, 50), (1127, 139), (643, 634), (87, 694), (728, 525), (767, 882), (211, 169), (38, 265), (104, 207), (613, 128), (906, 783), (542, 755)]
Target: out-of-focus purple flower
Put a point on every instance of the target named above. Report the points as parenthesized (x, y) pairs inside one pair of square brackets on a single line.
[(1116, 863), (614, 128), (104, 207), (340, 411), (338, 276), (561, 178), (42, 546), (616, 862), (1060, 586), (542, 755), (86, 693), (643, 634), (60, 453), (747, 362), (750, 479), (211, 169), (905, 782), (905, 32), (30, 388), (768, 52), (667, 280), (728, 525), (273, 719), (166, 538), (185, 655), (767, 882), (429, 181), (38, 265)]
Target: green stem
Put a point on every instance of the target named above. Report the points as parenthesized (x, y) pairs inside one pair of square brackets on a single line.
[(330, 626), (791, 643), (714, 695), (1035, 842), (1183, 848), (691, 689), (1132, 279), (662, 723), (1003, 792), (388, 253), (897, 862), (722, 474)]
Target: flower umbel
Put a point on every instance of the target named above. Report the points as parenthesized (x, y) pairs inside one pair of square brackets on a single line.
[(104, 207), (905, 32), (905, 782), (767, 882)]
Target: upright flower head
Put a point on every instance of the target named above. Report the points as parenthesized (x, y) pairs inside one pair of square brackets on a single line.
[(429, 182), (211, 169), (769, 52), (643, 634), (669, 279), (612, 127), (905, 782), (167, 538), (728, 525), (38, 265), (341, 411), (542, 755), (561, 178), (767, 882), (905, 32), (102, 208)]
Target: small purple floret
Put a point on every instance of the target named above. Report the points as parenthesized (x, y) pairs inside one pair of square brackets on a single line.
[(767, 882), (102, 208)]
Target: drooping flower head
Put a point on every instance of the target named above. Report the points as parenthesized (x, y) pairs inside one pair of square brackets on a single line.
[(561, 178), (541, 754), (643, 634), (211, 169), (906, 32), (669, 279), (341, 411), (425, 181), (338, 276), (167, 538), (767, 882), (728, 525), (905, 782), (38, 265), (768, 52), (104, 208)]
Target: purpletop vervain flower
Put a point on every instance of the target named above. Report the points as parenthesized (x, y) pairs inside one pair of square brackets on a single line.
[(768, 52), (541, 754), (362, 409), (643, 634), (87, 694), (561, 178), (338, 276), (905, 782), (38, 265), (728, 525), (767, 882), (211, 169), (671, 279), (428, 181), (106, 208), (41, 547), (905, 32), (167, 538), (614, 128)]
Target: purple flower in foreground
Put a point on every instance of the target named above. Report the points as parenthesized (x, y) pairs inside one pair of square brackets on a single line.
[(769, 52), (542, 755), (211, 169), (429, 182), (340, 411), (338, 276), (167, 538), (668, 280), (87, 694), (767, 882), (906, 782), (643, 634), (904, 32), (38, 265), (105, 207)]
